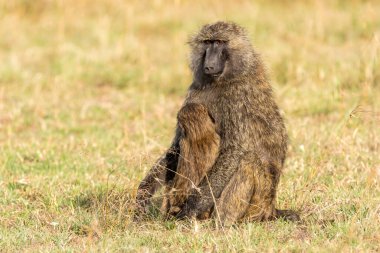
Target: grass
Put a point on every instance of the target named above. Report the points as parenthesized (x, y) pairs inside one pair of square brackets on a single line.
[(89, 92)]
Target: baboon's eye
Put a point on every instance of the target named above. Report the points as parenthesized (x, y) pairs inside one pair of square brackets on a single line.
[(207, 42), (217, 42)]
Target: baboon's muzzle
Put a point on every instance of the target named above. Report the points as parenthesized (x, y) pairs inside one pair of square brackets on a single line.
[(214, 63)]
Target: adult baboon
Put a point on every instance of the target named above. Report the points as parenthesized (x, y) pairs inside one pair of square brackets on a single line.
[(231, 82), (199, 148)]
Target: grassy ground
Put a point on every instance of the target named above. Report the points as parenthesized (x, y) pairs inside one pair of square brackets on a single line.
[(89, 92)]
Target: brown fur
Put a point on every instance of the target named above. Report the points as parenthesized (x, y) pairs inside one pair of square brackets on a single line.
[(253, 138), (199, 147)]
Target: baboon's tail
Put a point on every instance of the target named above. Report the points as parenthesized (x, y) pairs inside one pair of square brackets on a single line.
[(288, 215)]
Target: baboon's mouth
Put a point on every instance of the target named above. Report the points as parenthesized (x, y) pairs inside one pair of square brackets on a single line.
[(216, 74)]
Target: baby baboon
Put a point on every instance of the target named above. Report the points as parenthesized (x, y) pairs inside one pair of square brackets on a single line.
[(231, 82), (199, 147)]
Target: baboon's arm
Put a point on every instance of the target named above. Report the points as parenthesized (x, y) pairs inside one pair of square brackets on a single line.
[(158, 175), (224, 168)]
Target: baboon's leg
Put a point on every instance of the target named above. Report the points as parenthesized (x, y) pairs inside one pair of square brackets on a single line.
[(149, 185), (250, 195), (154, 180), (234, 200), (262, 203)]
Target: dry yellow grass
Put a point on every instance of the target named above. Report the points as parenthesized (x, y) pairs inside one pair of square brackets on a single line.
[(89, 91)]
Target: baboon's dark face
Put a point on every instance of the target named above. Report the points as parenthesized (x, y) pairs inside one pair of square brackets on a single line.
[(215, 57), (221, 53)]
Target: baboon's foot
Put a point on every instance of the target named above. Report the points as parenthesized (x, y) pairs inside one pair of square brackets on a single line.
[(288, 215)]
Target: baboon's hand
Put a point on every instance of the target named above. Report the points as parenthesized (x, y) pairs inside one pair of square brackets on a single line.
[(185, 213), (140, 211)]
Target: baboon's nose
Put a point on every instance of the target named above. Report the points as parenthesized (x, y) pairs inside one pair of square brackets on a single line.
[(209, 69)]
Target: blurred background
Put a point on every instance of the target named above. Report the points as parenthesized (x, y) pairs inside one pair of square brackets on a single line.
[(89, 92)]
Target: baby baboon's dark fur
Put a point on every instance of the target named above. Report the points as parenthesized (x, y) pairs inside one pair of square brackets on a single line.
[(253, 138), (199, 148)]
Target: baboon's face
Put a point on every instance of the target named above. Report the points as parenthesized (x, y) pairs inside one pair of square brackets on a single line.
[(215, 57), (220, 53)]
